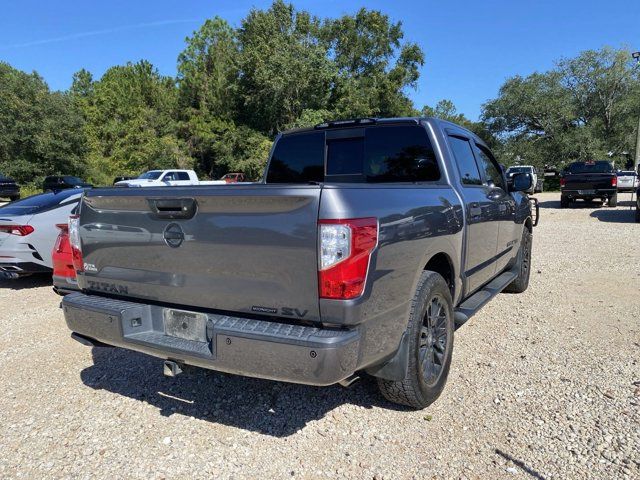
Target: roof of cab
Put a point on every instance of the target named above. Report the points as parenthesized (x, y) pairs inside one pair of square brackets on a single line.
[(363, 122)]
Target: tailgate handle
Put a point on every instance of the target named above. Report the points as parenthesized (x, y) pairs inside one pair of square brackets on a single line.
[(173, 207)]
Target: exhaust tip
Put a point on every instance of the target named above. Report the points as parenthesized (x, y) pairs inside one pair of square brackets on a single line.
[(9, 275), (347, 382)]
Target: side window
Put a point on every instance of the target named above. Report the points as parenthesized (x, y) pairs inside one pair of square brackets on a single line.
[(399, 154), (491, 168), (467, 166), (170, 177), (183, 175), (297, 158)]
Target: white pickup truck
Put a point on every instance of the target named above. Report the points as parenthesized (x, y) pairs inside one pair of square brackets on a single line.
[(160, 178)]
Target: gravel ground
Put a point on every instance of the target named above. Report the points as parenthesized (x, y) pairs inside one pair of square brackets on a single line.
[(543, 385)]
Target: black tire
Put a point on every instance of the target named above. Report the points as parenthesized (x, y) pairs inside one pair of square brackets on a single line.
[(564, 201), (637, 215), (14, 198), (523, 263), (430, 346), (613, 200)]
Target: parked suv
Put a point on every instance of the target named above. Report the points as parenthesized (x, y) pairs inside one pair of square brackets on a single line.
[(362, 248), (57, 183), (9, 188)]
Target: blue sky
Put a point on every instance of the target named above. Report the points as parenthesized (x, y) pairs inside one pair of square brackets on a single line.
[(471, 46)]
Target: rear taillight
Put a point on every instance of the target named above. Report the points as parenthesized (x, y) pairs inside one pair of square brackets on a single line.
[(64, 233), (563, 182), (74, 241), (614, 181), (345, 248), (20, 230)]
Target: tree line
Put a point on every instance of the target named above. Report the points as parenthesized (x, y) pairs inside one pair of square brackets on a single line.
[(282, 67)]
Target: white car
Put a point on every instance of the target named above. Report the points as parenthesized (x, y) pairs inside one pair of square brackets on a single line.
[(167, 178), (627, 180), (28, 231), (530, 169)]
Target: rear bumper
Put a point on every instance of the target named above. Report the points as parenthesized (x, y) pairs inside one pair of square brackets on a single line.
[(588, 193), (64, 285), (22, 268), (243, 346)]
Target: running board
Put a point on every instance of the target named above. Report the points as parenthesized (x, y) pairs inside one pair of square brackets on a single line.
[(475, 302)]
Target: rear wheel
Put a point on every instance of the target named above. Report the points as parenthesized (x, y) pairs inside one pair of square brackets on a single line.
[(14, 198), (613, 200), (430, 333), (521, 282), (637, 215), (564, 201)]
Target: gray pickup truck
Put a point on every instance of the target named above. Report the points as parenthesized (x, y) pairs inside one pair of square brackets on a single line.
[(363, 247)]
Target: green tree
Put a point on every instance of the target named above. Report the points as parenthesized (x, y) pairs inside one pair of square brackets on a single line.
[(131, 122), (208, 70), (41, 133), (285, 68), (374, 66), (584, 108)]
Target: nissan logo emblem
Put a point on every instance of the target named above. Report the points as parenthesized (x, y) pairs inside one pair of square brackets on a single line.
[(173, 235)]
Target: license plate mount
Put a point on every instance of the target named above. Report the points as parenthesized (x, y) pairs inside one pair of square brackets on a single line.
[(186, 325), (586, 192)]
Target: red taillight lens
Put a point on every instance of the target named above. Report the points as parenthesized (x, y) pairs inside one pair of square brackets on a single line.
[(345, 250), (614, 181), (62, 236), (74, 240), (20, 230), (563, 182)]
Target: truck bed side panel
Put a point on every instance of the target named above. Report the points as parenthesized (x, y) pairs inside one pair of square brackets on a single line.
[(416, 222)]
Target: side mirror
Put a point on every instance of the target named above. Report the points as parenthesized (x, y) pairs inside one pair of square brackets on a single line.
[(521, 182)]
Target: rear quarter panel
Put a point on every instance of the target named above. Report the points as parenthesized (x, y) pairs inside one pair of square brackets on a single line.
[(415, 223)]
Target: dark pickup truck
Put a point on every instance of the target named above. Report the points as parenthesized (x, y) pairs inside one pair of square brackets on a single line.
[(589, 181), (9, 188), (364, 245)]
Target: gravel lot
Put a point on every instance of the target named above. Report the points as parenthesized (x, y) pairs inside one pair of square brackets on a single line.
[(543, 385)]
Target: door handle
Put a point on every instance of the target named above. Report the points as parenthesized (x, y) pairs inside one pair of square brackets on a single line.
[(475, 210), (173, 208)]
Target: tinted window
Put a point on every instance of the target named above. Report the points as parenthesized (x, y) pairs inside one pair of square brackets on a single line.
[(491, 169), (183, 176), (469, 173), (399, 154), (298, 158), (345, 156), (590, 167)]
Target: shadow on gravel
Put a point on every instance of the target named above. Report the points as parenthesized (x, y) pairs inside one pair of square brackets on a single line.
[(263, 406), (520, 464), (32, 281), (615, 216)]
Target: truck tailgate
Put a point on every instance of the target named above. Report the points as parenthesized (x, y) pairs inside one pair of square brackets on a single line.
[(589, 181), (241, 249)]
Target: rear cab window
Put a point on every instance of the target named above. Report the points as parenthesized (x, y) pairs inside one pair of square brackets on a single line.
[(373, 154), (590, 167)]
